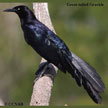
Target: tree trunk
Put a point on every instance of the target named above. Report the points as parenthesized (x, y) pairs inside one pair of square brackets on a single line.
[(42, 87)]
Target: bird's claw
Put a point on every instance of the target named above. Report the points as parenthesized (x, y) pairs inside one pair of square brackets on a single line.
[(45, 69), (41, 71)]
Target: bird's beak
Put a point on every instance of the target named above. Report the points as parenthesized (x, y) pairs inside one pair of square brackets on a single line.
[(9, 10)]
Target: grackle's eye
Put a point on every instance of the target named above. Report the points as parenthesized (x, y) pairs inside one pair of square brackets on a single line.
[(18, 9)]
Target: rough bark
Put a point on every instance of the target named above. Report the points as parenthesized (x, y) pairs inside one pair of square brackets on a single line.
[(42, 87)]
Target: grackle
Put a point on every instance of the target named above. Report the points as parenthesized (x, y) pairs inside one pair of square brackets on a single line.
[(48, 45)]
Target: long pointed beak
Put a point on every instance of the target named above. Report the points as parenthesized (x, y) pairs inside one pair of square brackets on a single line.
[(9, 10)]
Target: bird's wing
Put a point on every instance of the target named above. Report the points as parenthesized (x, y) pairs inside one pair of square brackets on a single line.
[(83, 73), (62, 49), (65, 57)]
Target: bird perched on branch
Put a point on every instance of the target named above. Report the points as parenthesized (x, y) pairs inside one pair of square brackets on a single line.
[(48, 45)]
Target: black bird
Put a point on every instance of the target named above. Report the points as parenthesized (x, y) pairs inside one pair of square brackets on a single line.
[(48, 45)]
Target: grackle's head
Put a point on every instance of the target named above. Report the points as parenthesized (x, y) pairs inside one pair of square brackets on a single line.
[(22, 11)]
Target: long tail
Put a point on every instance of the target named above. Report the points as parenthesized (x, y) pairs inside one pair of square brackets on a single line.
[(88, 77)]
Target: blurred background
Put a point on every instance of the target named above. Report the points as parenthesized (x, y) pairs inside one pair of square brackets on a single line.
[(84, 30)]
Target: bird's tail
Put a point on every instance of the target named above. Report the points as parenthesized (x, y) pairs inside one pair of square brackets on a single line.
[(87, 76)]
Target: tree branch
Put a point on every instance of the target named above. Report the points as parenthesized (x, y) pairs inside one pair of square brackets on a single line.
[(1, 102), (42, 87)]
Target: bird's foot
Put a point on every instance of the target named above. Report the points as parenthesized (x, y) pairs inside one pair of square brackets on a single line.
[(45, 69), (41, 70)]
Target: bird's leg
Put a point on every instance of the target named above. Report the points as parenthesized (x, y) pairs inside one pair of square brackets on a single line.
[(45, 68), (42, 68)]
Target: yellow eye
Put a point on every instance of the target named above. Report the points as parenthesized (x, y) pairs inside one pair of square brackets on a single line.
[(18, 9)]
